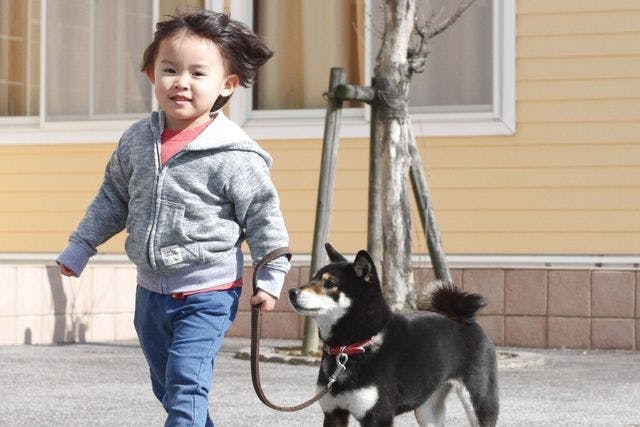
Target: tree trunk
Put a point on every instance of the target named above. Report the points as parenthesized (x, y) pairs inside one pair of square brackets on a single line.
[(391, 80), (397, 60)]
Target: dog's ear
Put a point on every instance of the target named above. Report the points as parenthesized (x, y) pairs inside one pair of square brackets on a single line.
[(364, 266), (334, 256)]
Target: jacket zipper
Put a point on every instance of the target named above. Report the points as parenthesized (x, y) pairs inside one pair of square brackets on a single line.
[(156, 213), (160, 173)]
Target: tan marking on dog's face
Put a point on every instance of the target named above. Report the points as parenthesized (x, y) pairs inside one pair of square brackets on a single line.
[(327, 276), (313, 287), (330, 283), (327, 285)]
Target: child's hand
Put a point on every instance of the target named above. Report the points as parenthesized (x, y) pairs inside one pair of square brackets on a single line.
[(66, 271), (264, 300)]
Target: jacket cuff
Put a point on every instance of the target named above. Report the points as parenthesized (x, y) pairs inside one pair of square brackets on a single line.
[(75, 257), (271, 281)]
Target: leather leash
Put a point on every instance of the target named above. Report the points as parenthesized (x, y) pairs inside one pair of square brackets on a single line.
[(256, 323)]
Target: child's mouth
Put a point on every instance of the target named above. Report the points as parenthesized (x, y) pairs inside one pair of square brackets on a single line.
[(180, 99)]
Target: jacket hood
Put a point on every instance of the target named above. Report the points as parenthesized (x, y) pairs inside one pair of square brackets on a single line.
[(222, 134)]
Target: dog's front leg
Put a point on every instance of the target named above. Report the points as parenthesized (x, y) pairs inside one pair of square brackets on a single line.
[(337, 418), (377, 421)]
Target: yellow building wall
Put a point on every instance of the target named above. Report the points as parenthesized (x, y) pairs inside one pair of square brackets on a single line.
[(568, 182)]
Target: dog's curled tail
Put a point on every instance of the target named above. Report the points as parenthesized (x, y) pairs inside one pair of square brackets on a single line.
[(445, 298)]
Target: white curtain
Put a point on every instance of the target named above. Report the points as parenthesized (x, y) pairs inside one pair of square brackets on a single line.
[(94, 49), (308, 38)]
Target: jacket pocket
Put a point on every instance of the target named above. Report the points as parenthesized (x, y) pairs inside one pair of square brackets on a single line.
[(133, 218), (136, 234), (170, 219), (173, 245)]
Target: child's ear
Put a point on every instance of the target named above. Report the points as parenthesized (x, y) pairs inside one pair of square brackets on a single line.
[(149, 72), (230, 84)]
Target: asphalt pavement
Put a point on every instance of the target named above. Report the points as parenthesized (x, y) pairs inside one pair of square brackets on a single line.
[(107, 385)]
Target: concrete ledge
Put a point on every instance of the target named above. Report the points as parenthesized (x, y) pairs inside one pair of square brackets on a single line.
[(543, 307)]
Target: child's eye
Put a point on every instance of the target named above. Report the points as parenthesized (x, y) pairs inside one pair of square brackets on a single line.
[(199, 74), (168, 70)]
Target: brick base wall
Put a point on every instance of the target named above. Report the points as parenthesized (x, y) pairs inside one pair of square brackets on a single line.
[(543, 308)]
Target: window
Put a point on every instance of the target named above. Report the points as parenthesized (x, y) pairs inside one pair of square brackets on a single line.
[(296, 76), (77, 62), (19, 57), (93, 53), (458, 73), (467, 88)]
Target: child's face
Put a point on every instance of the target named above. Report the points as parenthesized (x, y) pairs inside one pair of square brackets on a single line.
[(189, 75)]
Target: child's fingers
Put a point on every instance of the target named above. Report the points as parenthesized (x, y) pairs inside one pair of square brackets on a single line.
[(66, 271), (265, 301), (257, 299)]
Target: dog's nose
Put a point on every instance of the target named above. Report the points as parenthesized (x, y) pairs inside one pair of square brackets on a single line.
[(293, 294)]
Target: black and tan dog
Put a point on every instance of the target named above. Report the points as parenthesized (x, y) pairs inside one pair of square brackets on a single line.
[(396, 363)]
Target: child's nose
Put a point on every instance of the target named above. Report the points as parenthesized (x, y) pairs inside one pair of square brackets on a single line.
[(182, 82)]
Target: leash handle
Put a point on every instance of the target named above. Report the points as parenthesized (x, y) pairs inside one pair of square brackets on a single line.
[(256, 333)]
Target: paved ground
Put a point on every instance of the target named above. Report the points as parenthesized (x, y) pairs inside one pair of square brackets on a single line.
[(107, 385)]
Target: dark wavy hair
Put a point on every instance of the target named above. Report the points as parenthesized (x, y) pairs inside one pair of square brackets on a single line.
[(243, 51)]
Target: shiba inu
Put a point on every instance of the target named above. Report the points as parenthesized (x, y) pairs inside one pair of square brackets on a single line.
[(382, 364)]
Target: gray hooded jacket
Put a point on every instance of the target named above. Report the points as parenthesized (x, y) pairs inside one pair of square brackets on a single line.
[(185, 221)]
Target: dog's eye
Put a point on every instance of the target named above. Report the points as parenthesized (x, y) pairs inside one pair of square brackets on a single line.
[(329, 283)]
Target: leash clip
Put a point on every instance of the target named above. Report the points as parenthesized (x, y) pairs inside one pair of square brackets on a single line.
[(341, 366)]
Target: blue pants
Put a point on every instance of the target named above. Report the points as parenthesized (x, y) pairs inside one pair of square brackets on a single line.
[(180, 339)]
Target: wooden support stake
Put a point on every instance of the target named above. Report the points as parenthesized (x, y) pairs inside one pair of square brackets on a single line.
[(427, 217), (374, 211), (330, 146), (346, 92)]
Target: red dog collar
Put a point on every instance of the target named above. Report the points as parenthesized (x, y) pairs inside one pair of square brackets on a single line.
[(350, 350)]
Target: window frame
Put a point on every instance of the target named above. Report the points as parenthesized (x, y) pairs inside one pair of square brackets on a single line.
[(290, 124)]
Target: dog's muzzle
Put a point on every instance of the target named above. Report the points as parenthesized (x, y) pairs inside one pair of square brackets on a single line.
[(293, 295)]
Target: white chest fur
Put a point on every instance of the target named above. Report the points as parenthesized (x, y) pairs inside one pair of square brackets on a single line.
[(357, 402)]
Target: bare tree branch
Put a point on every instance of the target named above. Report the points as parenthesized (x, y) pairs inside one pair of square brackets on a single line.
[(417, 55), (438, 28), (427, 30)]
